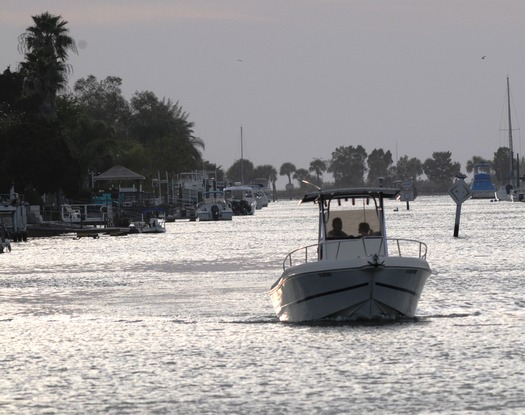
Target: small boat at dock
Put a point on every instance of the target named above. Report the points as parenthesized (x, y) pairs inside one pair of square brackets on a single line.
[(214, 207), (242, 199), (153, 221), (482, 186)]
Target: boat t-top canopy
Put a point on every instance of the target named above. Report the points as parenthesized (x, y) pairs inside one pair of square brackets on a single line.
[(241, 187), (385, 192)]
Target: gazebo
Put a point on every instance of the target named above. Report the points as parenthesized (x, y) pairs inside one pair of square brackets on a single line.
[(118, 173), (129, 195)]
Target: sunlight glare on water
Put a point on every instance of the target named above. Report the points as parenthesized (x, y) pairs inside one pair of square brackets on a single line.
[(181, 322)]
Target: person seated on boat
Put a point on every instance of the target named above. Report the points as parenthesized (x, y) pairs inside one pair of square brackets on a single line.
[(337, 229), (364, 230)]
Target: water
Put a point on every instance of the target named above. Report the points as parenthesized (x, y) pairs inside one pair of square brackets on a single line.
[(181, 322)]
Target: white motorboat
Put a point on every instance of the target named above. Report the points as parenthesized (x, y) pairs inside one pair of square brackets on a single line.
[(152, 222), (242, 199), (345, 277), (5, 243), (261, 198), (214, 207), (154, 225), (90, 214), (13, 220)]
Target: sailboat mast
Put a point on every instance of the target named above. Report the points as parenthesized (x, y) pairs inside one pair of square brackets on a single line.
[(512, 179), (242, 160)]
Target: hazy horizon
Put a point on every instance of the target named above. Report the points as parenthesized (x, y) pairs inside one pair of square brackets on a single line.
[(305, 77)]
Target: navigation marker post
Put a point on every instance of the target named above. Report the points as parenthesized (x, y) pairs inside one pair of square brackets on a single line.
[(407, 192), (460, 192)]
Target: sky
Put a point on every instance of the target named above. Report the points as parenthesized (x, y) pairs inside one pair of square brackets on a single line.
[(304, 77)]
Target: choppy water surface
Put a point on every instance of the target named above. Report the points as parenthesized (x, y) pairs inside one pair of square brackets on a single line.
[(181, 322)]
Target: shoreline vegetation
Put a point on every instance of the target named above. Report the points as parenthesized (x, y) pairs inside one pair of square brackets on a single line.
[(55, 139)]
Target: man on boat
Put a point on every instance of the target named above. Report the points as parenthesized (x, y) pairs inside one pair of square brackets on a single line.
[(337, 229), (364, 230)]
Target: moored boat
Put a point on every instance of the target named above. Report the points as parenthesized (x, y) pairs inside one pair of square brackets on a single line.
[(346, 277), (154, 225), (153, 221), (214, 207), (261, 198), (5, 243), (482, 186), (512, 190), (242, 199)]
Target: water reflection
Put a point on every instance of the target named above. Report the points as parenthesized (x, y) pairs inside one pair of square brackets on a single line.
[(181, 322)]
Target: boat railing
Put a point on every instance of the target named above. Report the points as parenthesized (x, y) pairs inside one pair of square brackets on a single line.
[(407, 248), (356, 248)]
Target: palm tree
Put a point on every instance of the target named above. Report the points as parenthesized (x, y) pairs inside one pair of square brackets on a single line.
[(300, 175), (269, 173), (273, 179), (46, 45), (163, 128), (287, 169), (318, 166)]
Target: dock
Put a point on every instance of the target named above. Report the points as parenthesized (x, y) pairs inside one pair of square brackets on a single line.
[(96, 232)]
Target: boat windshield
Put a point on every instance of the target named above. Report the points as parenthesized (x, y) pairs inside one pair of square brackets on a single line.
[(238, 194), (213, 194), (344, 218)]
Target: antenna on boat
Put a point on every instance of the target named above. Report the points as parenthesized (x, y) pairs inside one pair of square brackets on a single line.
[(311, 184)]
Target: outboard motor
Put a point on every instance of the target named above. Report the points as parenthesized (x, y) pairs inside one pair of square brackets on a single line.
[(236, 207), (215, 213), (245, 207)]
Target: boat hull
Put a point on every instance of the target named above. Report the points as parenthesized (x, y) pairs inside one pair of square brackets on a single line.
[(206, 217), (483, 194), (482, 186), (356, 289)]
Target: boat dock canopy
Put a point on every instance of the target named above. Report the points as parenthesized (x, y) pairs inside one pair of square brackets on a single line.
[(118, 173), (386, 192)]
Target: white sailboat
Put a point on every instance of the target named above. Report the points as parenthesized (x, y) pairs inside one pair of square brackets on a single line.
[(512, 190)]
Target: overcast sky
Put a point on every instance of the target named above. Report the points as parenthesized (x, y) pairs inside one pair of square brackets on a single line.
[(303, 77)]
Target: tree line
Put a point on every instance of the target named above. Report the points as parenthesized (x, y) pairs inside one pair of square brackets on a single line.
[(54, 139)]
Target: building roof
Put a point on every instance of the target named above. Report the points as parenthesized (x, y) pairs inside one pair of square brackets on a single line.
[(119, 172)]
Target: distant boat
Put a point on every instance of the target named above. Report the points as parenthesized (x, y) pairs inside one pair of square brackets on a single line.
[(242, 199), (13, 220), (213, 207), (260, 196), (482, 186), (511, 191), (155, 222), (5, 243)]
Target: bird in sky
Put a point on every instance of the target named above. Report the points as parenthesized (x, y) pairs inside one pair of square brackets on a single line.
[(484, 56)]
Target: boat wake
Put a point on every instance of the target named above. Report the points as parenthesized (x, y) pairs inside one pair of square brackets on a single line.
[(451, 315)]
